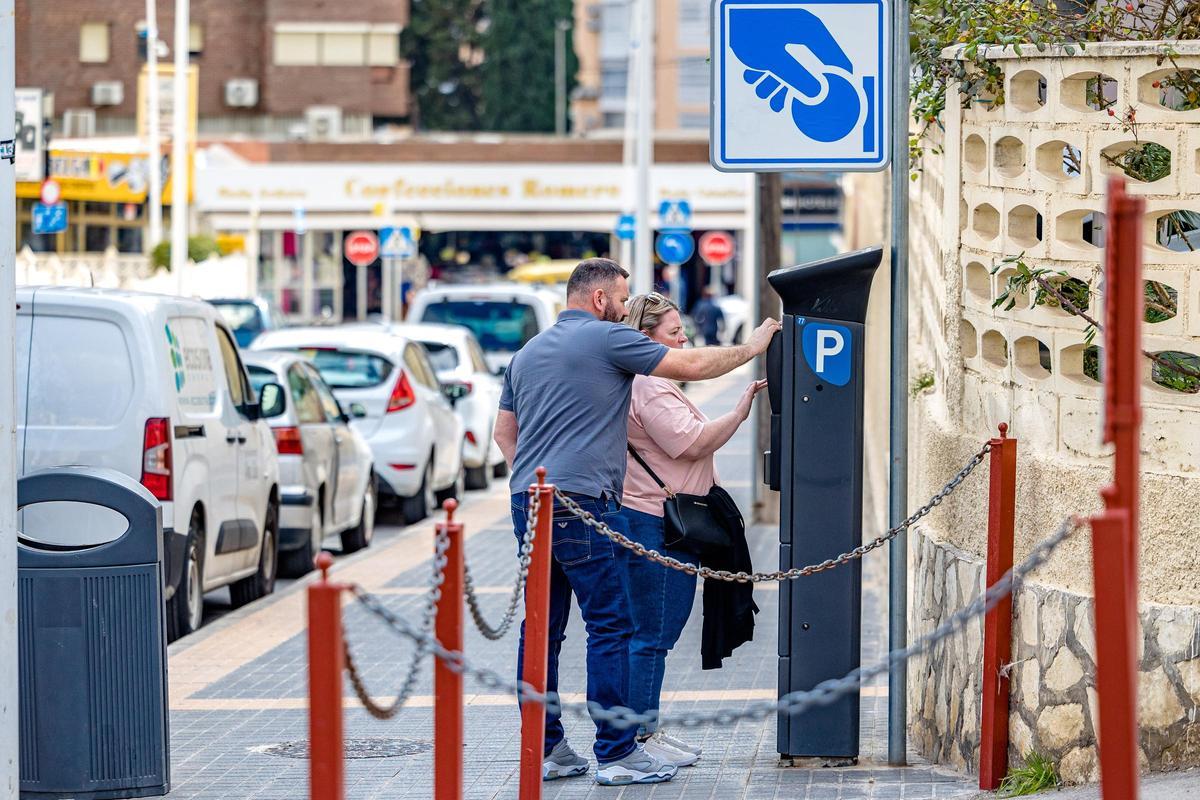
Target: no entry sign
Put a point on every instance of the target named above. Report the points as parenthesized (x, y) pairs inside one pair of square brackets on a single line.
[(362, 248), (716, 248)]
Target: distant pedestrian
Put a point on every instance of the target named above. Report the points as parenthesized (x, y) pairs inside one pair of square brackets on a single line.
[(677, 441), (708, 317), (564, 406)]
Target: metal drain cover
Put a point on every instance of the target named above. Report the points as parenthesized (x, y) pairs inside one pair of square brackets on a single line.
[(354, 748)]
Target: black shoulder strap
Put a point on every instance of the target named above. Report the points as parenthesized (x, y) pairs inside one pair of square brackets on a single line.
[(645, 466)]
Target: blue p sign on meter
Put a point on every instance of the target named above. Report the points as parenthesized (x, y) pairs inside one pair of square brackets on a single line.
[(828, 352), (801, 85)]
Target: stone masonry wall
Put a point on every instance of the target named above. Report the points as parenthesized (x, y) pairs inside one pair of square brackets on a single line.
[(1027, 178)]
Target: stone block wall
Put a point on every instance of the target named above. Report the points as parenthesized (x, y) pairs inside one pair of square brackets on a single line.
[(999, 188)]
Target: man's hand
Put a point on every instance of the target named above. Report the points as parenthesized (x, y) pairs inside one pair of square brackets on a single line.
[(763, 334)]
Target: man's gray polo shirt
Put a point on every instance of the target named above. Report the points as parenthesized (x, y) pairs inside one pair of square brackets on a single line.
[(569, 387)]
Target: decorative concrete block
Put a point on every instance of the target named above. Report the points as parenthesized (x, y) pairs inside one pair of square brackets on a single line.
[(1158, 703)]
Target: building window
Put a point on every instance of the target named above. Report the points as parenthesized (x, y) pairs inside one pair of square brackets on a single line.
[(614, 81), (337, 44), (615, 29), (93, 43), (691, 120), (693, 81), (195, 39), (693, 23)]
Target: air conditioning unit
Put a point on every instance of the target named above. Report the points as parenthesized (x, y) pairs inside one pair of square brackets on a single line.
[(241, 93), (108, 93), (79, 123), (323, 122)]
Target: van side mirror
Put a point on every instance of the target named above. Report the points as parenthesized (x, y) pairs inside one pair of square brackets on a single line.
[(271, 401)]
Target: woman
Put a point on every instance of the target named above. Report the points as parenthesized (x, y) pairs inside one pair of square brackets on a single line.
[(677, 441)]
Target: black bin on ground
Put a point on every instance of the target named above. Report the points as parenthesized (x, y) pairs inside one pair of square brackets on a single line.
[(93, 663)]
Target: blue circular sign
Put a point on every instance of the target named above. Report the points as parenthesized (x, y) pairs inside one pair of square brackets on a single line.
[(675, 248)]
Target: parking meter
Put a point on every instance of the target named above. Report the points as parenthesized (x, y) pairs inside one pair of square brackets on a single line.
[(815, 387)]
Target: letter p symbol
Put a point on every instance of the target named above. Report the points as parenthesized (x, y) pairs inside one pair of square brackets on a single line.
[(829, 343), (827, 349)]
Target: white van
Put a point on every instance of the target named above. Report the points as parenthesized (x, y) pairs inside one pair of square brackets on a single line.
[(503, 316), (151, 386)]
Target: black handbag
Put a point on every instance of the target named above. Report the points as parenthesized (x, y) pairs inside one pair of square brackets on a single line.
[(697, 523)]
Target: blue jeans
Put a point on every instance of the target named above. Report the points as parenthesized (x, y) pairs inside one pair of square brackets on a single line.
[(593, 568), (662, 602)]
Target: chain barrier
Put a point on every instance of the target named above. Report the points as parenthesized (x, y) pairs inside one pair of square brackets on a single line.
[(793, 703), (780, 575), (496, 632), (385, 712)]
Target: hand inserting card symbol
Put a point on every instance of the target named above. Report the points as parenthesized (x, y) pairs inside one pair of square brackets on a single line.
[(789, 52)]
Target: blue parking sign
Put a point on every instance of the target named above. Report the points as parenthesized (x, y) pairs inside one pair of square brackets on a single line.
[(827, 351), (802, 85), (49, 219)]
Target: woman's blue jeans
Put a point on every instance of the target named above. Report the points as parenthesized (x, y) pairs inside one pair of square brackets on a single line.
[(662, 602)]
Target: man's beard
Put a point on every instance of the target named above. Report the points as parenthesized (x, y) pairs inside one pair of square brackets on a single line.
[(611, 314)]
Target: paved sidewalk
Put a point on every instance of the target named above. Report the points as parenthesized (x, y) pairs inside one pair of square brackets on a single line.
[(238, 717), (1169, 786)]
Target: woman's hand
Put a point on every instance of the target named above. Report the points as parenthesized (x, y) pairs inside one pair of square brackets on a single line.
[(747, 399)]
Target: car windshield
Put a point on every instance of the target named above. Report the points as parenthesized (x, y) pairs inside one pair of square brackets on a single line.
[(260, 377), (441, 355), (241, 316), (347, 369), (499, 325)]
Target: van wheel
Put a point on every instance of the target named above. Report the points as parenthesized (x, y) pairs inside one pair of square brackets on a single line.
[(185, 612), (295, 563), (262, 582), (417, 507), (360, 535), (479, 477)]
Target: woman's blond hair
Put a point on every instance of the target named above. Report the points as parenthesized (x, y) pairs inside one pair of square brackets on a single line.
[(646, 311)]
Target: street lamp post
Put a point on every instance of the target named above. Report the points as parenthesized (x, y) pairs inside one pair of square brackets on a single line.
[(154, 146), (643, 268), (560, 76), (179, 145)]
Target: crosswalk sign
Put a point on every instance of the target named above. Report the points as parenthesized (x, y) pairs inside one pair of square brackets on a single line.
[(397, 243)]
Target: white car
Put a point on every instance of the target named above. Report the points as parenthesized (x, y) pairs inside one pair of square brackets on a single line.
[(458, 360), (154, 387), (396, 403), (735, 310), (326, 478), (503, 316)]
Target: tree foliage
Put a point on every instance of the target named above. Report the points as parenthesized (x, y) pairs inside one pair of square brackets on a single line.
[(518, 66), (442, 45)]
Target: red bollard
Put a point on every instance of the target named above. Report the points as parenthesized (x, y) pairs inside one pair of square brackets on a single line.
[(325, 663), (448, 684), (1115, 530), (997, 625), (537, 642)]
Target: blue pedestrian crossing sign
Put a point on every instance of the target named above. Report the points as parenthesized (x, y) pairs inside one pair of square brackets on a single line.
[(396, 243), (49, 219), (803, 85), (626, 227), (674, 247), (675, 215)]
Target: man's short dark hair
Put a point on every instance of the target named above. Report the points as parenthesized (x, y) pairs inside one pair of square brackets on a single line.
[(592, 274)]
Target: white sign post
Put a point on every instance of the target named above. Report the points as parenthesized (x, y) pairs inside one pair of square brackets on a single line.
[(801, 85)]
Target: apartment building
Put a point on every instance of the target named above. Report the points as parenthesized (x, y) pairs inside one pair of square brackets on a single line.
[(603, 32), (300, 68)]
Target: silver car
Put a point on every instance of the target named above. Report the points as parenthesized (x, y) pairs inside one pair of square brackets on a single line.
[(326, 480)]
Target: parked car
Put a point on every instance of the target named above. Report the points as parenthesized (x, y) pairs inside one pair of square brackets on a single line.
[(395, 402), (154, 387), (734, 309), (502, 316), (248, 317), (458, 360), (326, 474)]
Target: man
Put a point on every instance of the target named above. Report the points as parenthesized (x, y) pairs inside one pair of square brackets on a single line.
[(708, 317), (564, 406)]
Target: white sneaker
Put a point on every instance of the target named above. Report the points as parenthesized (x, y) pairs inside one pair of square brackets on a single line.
[(563, 762), (658, 748), (637, 767), (671, 741)]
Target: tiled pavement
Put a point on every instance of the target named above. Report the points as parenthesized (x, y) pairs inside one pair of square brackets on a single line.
[(238, 687)]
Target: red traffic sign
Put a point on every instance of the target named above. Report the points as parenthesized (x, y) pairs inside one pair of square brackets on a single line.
[(51, 192), (717, 248), (362, 248)]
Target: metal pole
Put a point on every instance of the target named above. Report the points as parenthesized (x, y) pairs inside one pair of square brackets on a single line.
[(448, 684), (537, 643), (560, 76), (629, 188), (153, 130), (898, 445), (643, 268), (179, 143), (327, 766), (9, 772)]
